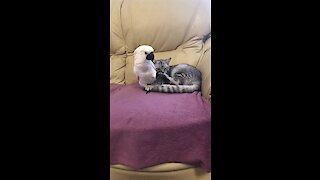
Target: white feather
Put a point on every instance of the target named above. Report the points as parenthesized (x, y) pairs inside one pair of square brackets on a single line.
[(143, 68)]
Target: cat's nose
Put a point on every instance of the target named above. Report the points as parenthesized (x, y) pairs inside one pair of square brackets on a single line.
[(150, 56)]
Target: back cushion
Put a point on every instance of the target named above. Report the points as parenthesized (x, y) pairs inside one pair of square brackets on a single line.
[(117, 43), (174, 28), (164, 24)]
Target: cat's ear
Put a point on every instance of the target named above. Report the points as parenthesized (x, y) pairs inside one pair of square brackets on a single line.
[(169, 60)]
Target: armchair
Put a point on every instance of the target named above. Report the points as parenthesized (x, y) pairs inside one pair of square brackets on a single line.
[(179, 29)]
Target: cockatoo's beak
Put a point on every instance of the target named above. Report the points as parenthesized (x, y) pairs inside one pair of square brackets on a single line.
[(150, 56)]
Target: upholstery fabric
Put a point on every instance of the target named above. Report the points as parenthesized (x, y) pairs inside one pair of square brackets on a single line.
[(165, 167), (185, 174), (174, 28)]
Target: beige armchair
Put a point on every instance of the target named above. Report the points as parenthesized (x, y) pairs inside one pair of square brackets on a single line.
[(179, 29)]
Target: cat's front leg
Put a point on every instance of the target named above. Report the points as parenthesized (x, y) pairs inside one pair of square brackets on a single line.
[(171, 79)]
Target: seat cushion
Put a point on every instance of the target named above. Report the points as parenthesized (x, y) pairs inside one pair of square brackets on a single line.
[(147, 129), (165, 167), (182, 174)]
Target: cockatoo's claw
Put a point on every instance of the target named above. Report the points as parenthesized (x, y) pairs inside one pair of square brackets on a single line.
[(148, 88)]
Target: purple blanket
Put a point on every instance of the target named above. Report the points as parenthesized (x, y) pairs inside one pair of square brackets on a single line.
[(155, 128)]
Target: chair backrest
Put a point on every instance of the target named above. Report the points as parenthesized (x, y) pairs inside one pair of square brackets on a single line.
[(174, 28)]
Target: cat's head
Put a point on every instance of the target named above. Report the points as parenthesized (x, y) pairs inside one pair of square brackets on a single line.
[(162, 65)]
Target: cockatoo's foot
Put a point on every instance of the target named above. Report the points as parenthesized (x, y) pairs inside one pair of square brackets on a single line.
[(148, 88)]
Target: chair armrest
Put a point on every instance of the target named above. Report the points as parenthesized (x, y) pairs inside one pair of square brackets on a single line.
[(204, 65)]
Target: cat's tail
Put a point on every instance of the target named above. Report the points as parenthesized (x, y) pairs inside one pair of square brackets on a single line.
[(167, 88)]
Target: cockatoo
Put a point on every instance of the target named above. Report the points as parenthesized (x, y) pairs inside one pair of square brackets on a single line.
[(143, 65)]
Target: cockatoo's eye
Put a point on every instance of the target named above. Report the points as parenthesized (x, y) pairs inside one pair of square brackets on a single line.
[(145, 53)]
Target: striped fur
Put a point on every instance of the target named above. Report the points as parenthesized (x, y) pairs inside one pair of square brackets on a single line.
[(168, 88), (181, 78)]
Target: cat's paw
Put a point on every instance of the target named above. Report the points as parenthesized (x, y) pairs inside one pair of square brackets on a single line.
[(166, 75)]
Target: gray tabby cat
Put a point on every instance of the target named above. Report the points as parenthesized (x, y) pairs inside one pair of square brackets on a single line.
[(180, 78), (162, 67)]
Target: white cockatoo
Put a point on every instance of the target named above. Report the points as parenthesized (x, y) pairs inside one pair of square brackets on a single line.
[(143, 65)]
